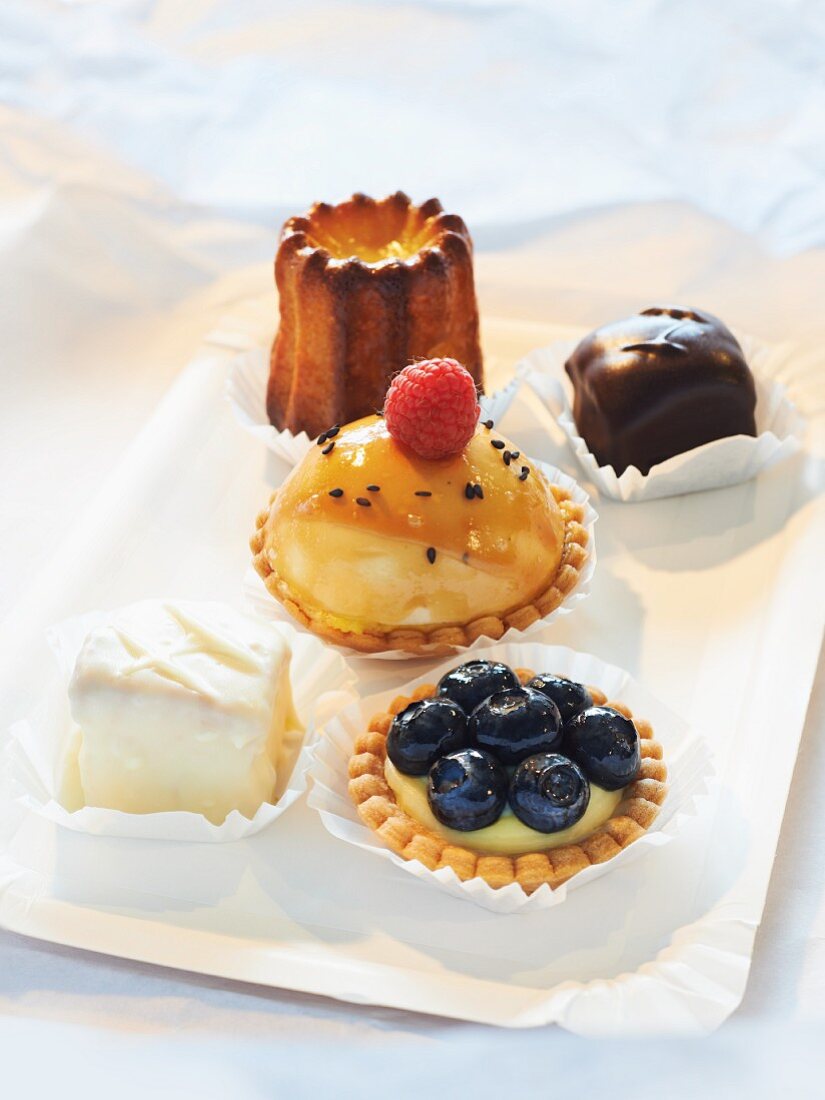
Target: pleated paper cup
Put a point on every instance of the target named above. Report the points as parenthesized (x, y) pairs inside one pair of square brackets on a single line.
[(714, 465), (246, 390), (260, 601), (686, 755), (40, 750)]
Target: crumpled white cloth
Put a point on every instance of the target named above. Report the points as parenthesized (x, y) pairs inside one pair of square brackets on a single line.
[(512, 112)]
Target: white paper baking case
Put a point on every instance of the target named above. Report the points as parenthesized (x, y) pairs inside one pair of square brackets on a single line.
[(246, 390), (686, 755)]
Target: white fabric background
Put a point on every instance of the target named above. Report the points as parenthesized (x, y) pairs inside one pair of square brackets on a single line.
[(605, 155)]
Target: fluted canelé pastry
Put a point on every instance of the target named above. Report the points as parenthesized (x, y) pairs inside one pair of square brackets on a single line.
[(658, 384), (365, 287), (373, 545)]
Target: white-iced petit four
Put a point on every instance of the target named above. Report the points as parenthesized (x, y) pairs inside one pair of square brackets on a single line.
[(181, 706)]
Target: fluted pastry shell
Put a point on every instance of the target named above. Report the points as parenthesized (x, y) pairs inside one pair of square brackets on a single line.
[(378, 808), (363, 574)]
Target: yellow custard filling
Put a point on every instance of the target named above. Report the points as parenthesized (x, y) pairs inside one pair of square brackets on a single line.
[(508, 836)]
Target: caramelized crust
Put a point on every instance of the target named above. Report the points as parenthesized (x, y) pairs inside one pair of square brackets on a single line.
[(365, 287), (378, 808)]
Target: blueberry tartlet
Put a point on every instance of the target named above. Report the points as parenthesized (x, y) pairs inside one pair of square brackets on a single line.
[(507, 775)]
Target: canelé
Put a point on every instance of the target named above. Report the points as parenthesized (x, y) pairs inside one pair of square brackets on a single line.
[(365, 287)]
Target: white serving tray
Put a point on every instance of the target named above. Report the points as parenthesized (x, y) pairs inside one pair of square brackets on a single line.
[(714, 601)]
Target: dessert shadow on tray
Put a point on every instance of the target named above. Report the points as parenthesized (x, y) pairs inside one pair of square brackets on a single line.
[(706, 529), (464, 939), (470, 940)]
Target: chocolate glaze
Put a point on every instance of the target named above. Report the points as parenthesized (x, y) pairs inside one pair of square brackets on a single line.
[(659, 384)]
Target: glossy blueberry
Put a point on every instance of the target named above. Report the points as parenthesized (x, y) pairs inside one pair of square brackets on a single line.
[(606, 746), (548, 792), (423, 731), (472, 683), (467, 789), (515, 724), (569, 696)]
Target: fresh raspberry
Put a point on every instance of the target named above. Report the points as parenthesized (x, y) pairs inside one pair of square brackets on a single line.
[(432, 408)]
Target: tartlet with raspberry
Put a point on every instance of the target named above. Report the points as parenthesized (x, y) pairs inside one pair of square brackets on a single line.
[(419, 529)]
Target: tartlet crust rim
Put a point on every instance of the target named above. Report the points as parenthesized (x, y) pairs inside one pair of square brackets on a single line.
[(439, 641), (378, 808)]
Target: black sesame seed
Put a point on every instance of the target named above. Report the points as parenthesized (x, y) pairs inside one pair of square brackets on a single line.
[(321, 440), (515, 455), (363, 502), (488, 423), (479, 492), (498, 444), (431, 554), (326, 450), (506, 456), (373, 488), (336, 492), (334, 430), (525, 470), (469, 490), (423, 493)]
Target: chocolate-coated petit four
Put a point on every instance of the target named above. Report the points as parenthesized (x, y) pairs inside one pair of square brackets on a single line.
[(659, 384)]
